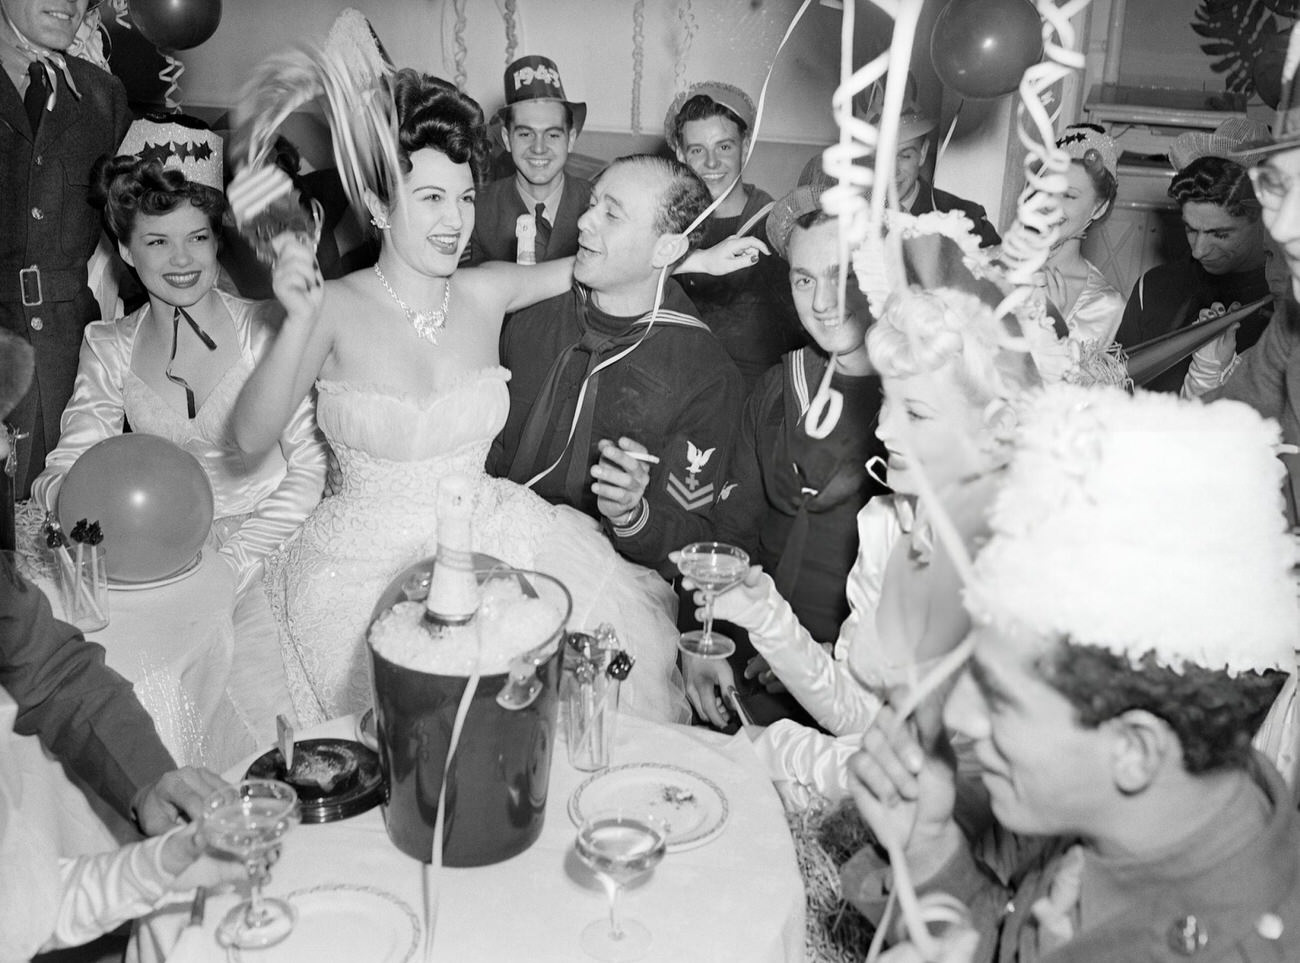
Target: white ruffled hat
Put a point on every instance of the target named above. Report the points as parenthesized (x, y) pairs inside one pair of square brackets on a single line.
[(1144, 523)]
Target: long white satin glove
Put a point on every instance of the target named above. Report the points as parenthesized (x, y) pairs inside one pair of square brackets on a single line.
[(822, 685), (101, 892), (808, 762)]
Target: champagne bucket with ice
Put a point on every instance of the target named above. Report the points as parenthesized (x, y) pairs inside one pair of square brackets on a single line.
[(499, 773)]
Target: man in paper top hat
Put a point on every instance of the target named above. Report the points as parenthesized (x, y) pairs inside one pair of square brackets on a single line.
[(1268, 375), (537, 207), (1134, 621), (62, 113), (916, 195)]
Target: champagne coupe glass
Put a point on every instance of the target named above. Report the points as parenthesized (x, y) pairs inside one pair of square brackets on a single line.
[(714, 567), (619, 846), (247, 821)]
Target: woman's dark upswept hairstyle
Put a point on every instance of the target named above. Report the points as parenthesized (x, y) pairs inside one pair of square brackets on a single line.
[(1214, 715), (434, 114), (1216, 180)]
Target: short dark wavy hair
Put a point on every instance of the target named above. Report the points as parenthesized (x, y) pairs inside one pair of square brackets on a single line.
[(432, 113), (125, 188), (683, 199), (1216, 180), (1214, 715), (702, 107)]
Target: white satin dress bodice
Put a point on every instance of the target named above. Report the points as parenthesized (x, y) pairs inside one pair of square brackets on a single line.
[(392, 449)]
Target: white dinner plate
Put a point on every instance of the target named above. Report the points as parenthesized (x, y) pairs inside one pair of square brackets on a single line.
[(180, 576), (341, 923), (693, 806)]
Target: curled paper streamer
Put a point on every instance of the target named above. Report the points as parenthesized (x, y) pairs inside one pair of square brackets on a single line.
[(510, 13), (638, 61), (171, 76), (1027, 244), (1026, 247), (861, 220)]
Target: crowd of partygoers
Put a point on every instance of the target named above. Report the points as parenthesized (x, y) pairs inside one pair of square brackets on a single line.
[(1027, 627)]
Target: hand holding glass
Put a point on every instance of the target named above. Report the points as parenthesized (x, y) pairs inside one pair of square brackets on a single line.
[(713, 567), (619, 846), (247, 821)]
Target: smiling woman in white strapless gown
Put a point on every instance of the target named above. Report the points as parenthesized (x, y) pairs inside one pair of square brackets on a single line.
[(410, 392), (392, 449)]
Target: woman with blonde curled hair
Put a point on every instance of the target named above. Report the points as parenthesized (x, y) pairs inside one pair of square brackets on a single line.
[(952, 372)]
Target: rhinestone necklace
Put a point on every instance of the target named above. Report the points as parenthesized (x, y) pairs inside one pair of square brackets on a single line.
[(427, 324)]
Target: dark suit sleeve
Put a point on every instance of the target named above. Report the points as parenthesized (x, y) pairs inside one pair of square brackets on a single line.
[(82, 711), (1132, 325)]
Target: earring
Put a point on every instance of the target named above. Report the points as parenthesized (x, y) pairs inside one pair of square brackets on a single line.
[(380, 222)]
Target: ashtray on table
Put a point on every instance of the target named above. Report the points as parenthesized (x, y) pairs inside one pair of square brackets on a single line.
[(334, 778)]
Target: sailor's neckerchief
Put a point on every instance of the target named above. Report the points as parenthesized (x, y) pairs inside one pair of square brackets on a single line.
[(524, 467)]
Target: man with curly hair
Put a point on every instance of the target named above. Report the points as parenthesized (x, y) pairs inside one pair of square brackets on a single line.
[(599, 379), (1135, 619)]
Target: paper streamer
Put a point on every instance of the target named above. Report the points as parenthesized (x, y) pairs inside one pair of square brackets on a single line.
[(171, 76), (638, 61), (510, 13), (1025, 250), (462, 48), (860, 219), (689, 27)]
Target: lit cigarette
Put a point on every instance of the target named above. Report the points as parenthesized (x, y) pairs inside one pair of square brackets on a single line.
[(644, 456)]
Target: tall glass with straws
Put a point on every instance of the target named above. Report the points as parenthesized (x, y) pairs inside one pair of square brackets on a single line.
[(713, 567)]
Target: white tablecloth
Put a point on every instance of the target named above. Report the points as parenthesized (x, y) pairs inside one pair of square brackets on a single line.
[(739, 897), (207, 671)]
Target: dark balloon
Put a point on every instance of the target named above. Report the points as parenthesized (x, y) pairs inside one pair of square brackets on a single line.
[(175, 24), (136, 62), (152, 499), (980, 48)]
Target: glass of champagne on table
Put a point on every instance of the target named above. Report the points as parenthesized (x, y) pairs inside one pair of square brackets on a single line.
[(247, 821), (713, 567), (618, 846)]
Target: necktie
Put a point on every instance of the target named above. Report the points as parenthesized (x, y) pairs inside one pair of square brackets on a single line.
[(543, 232), (34, 99)]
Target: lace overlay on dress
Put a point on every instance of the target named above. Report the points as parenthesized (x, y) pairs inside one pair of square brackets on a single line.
[(392, 449)]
